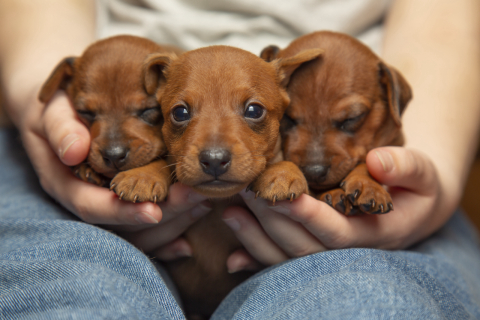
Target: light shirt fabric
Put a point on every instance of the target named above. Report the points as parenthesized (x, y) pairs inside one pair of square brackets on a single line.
[(248, 24)]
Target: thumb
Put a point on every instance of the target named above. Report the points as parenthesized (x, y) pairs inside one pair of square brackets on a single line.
[(67, 135), (402, 167)]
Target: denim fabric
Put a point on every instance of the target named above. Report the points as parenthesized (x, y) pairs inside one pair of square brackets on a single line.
[(52, 266)]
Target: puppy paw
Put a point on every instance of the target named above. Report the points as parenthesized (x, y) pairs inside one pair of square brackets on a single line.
[(280, 181), (136, 185), (84, 172), (367, 194), (337, 199)]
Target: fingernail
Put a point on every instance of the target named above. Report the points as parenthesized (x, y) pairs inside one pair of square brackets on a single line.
[(145, 218), (67, 142), (280, 209), (200, 210), (247, 194), (386, 160), (232, 223), (194, 197)]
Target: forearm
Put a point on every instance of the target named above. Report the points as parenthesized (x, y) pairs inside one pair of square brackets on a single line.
[(34, 36), (436, 46)]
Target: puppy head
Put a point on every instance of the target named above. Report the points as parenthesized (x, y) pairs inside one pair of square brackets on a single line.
[(106, 88), (222, 108), (342, 106)]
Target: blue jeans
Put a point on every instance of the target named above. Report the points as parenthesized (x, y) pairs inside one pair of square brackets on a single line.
[(53, 266)]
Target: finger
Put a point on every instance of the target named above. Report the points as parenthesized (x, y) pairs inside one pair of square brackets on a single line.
[(401, 167), (67, 135), (178, 248), (162, 234), (241, 260), (332, 228), (181, 198), (249, 232), (90, 203), (289, 235)]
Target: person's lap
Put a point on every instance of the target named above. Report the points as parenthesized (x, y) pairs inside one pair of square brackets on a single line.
[(54, 266)]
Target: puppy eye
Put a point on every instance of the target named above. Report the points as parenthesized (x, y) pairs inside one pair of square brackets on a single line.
[(254, 111), (180, 114), (86, 115), (351, 124), (151, 116)]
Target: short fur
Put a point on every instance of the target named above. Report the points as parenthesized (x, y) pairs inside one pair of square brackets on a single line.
[(222, 108), (342, 106), (106, 87)]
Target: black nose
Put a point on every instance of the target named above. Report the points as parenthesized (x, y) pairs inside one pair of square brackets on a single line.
[(215, 162), (115, 156), (315, 173)]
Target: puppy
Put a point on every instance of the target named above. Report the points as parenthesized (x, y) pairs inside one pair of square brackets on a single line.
[(106, 88), (342, 106), (222, 108)]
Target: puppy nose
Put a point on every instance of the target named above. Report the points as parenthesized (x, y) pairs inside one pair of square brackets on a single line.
[(315, 172), (215, 162), (115, 156)]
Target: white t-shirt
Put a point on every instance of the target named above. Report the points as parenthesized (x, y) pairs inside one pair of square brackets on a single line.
[(247, 24)]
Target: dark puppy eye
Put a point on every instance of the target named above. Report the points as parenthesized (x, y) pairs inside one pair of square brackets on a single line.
[(86, 115), (350, 124), (180, 114), (151, 116), (254, 111)]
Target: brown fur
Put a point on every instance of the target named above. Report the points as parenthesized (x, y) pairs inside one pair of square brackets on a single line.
[(106, 88), (220, 149), (348, 82)]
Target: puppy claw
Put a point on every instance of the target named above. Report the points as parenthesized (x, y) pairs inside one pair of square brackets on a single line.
[(340, 206), (342, 184), (292, 197), (274, 200), (257, 194), (135, 198), (390, 206), (155, 199), (120, 196), (112, 186)]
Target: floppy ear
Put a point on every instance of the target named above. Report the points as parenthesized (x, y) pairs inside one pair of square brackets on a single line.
[(397, 89), (286, 66), (154, 68), (270, 53), (58, 79)]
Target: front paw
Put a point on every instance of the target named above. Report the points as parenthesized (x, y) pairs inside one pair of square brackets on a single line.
[(84, 172), (280, 181), (367, 194), (337, 199), (135, 185)]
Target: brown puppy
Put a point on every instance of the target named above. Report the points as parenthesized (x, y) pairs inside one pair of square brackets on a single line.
[(106, 88), (222, 108), (342, 106)]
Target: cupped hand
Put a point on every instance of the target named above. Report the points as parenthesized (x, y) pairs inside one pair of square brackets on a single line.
[(55, 139), (306, 225)]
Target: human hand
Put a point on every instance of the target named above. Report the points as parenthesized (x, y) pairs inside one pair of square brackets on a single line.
[(55, 139), (307, 225)]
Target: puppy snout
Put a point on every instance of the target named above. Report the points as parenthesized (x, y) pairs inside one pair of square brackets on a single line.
[(115, 156), (315, 173), (215, 162)]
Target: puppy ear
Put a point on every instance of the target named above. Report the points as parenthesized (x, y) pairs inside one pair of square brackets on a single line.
[(270, 53), (286, 66), (397, 89), (58, 79), (154, 68)]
